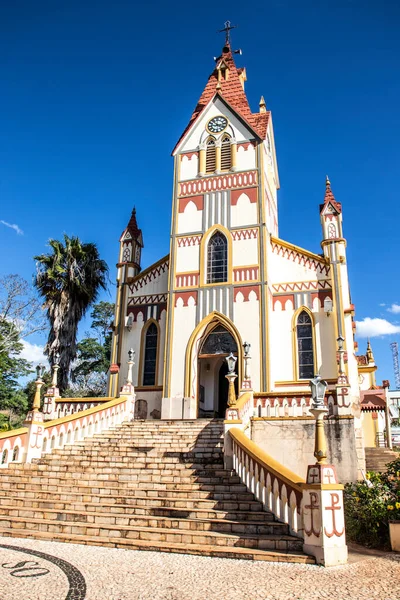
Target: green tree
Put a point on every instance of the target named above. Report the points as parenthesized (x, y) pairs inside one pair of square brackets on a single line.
[(13, 401), (69, 279), (93, 354)]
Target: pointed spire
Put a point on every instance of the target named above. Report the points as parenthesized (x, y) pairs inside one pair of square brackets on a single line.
[(329, 197), (369, 353), (132, 225), (262, 105)]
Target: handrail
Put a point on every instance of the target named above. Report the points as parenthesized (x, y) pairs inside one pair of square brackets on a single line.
[(85, 400), (275, 486), (266, 461), (241, 401), (13, 432), (85, 413)]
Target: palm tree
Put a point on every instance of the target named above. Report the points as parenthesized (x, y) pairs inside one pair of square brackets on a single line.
[(69, 279)]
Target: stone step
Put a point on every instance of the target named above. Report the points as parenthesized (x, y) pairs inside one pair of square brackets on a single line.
[(155, 534), (163, 507), (129, 519), (184, 491), (180, 548)]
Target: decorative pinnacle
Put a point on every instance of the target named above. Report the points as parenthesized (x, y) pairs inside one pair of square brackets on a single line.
[(227, 29), (262, 105), (328, 183)]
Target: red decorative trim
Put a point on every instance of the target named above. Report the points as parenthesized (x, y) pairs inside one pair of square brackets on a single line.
[(188, 155), (185, 297), (220, 182), (252, 194), (301, 286), (245, 234), (301, 259), (187, 279), (246, 290), (245, 145), (135, 311), (148, 299), (191, 240), (149, 276), (322, 296), (282, 298), (245, 273), (198, 201)]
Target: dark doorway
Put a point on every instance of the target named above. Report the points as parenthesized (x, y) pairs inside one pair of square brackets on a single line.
[(223, 388)]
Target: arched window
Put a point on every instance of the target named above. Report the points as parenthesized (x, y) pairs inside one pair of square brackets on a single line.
[(226, 161), (150, 355), (217, 258), (211, 156), (305, 346)]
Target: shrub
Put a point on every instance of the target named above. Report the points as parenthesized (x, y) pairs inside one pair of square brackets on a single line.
[(370, 505)]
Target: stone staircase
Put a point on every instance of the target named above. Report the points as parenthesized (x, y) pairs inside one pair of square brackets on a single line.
[(376, 459), (145, 485)]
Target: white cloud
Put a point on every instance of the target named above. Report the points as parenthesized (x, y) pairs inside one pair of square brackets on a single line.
[(12, 226), (375, 328), (33, 353), (395, 308)]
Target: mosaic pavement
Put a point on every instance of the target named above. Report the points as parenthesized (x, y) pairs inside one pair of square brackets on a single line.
[(37, 570)]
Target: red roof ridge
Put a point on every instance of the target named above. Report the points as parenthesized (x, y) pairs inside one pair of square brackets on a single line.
[(230, 88), (330, 198)]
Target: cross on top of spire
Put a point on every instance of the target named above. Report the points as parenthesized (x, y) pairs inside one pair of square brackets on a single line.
[(227, 28)]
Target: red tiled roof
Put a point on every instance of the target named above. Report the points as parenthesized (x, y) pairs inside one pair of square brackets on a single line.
[(362, 360), (232, 91), (132, 226), (372, 400), (330, 198)]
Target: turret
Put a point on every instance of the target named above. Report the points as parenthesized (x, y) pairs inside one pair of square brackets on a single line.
[(131, 244)]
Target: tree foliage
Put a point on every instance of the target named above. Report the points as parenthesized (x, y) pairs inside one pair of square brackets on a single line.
[(20, 306), (89, 372), (69, 279)]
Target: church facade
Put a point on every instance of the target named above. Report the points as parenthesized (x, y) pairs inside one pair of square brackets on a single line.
[(230, 284)]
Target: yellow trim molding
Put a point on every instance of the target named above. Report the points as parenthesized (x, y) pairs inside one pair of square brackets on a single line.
[(321, 259), (265, 460)]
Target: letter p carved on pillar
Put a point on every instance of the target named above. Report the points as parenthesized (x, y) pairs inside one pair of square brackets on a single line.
[(323, 516)]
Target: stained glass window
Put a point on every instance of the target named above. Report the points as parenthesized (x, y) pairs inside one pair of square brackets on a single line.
[(150, 355), (305, 346), (219, 341), (217, 258)]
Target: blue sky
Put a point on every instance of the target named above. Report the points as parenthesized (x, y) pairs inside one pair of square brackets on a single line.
[(95, 95)]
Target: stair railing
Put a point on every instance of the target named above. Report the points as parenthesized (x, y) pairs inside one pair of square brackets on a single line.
[(39, 437), (276, 487)]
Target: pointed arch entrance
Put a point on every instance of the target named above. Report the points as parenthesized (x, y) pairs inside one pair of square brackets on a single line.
[(211, 342)]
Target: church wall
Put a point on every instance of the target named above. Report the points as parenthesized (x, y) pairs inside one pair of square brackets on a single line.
[(249, 329), (191, 219), (189, 167), (187, 259), (245, 252), (246, 157), (291, 442), (154, 283), (280, 342), (292, 266), (183, 326), (244, 212)]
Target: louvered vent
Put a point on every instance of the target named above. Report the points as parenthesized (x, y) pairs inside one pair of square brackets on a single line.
[(226, 154), (210, 156)]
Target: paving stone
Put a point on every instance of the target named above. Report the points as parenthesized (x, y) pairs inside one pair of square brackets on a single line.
[(99, 573)]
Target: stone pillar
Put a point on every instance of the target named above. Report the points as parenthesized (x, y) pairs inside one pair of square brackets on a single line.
[(233, 155), (52, 392), (202, 160), (128, 389), (323, 516), (34, 423)]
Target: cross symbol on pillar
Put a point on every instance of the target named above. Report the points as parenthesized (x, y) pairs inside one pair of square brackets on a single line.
[(313, 506), (344, 392), (334, 507), (313, 475), (329, 475)]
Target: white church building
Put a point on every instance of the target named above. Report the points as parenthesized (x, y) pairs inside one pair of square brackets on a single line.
[(231, 284)]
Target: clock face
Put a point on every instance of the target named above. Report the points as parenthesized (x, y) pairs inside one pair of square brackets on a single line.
[(217, 124)]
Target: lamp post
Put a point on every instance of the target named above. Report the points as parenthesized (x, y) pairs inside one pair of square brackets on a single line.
[(56, 367), (131, 362), (40, 369), (318, 409), (231, 376)]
